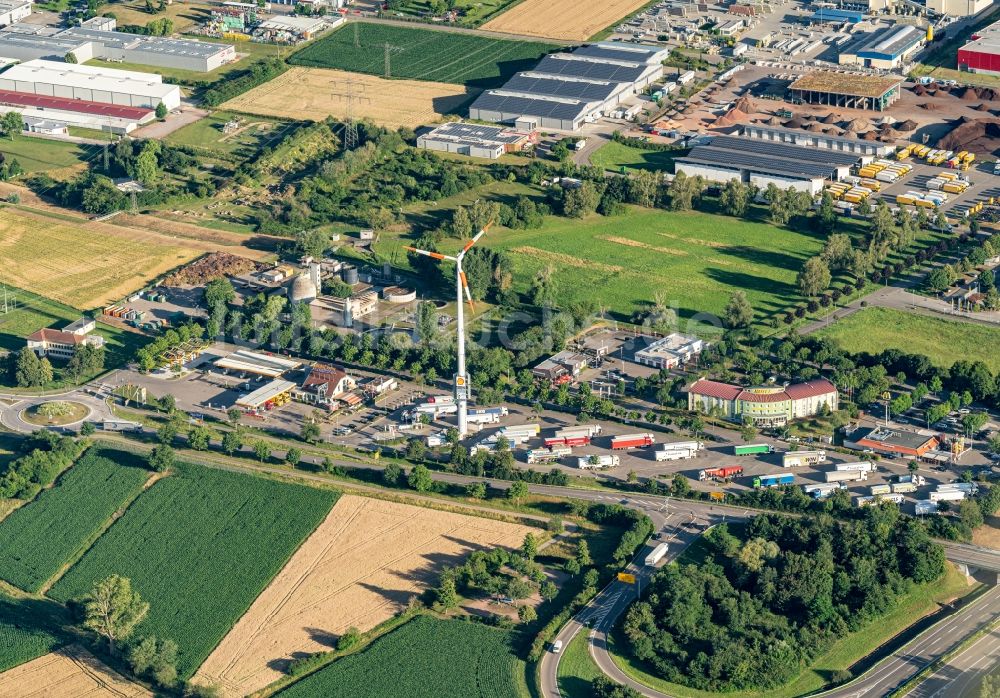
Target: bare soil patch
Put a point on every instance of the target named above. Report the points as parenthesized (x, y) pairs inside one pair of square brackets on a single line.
[(316, 93), (562, 19), (361, 566), (69, 673)]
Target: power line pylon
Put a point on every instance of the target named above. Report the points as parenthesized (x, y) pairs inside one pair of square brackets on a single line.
[(351, 97), (389, 50)]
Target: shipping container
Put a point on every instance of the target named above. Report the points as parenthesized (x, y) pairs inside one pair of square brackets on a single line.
[(879, 489), (626, 441), (794, 459), (658, 553), (752, 449), (862, 465), (547, 455), (845, 475), (674, 454), (721, 473), (773, 480), (589, 462)]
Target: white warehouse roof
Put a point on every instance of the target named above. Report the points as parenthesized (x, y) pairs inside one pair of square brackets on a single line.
[(90, 77)]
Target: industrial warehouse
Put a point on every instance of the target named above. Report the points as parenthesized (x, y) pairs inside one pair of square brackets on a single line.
[(885, 49), (847, 90), (982, 53), (97, 38), (566, 90), (123, 88), (476, 140), (762, 162), (817, 140)]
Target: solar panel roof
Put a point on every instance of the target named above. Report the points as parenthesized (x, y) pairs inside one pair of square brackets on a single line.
[(567, 111), (745, 160), (534, 84), (554, 65), (783, 150)]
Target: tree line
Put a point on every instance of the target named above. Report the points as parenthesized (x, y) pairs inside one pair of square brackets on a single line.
[(765, 603)]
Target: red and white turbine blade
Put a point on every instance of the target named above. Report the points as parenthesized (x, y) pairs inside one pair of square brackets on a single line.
[(475, 239), (434, 255), (468, 293)]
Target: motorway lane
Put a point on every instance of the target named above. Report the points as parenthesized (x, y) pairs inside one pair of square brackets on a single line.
[(960, 677)]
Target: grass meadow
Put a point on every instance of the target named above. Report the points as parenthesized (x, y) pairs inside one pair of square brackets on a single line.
[(942, 341)]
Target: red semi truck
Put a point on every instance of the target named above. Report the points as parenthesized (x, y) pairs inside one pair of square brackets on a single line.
[(577, 440), (723, 473), (620, 443)]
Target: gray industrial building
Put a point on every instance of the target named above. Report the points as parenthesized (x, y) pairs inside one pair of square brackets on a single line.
[(97, 38), (565, 90), (762, 163), (474, 140), (823, 141)]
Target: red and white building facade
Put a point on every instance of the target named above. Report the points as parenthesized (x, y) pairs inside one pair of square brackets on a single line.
[(982, 53), (62, 344), (765, 406)]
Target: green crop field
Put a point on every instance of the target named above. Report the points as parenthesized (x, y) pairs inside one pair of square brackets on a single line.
[(23, 631), (426, 658), (423, 54), (200, 546), (42, 537), (943, 341)]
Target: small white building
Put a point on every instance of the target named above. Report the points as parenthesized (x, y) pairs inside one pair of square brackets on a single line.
[(62, 344), (669, 352), (12, 11)]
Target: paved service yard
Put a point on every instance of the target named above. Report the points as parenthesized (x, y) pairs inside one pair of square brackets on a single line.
[(984, 185)]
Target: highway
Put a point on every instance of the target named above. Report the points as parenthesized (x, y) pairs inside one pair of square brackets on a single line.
[(679, 522)]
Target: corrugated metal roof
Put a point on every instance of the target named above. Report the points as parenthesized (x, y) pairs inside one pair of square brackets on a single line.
[(78, 106)]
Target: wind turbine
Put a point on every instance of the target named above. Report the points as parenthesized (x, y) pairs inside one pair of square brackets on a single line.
[(462, 294)]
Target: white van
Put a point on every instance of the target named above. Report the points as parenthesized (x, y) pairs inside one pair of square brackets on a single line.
[(556, 646)]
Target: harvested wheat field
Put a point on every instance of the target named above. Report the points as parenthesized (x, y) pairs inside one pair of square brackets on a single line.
[(316, 93), (361, 566), (85, 265), (71, 672), (570, 20)]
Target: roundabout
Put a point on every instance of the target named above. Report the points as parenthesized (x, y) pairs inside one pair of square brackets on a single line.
[(55, 413)]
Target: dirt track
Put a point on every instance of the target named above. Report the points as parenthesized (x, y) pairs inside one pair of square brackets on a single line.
[(361, 566), (69, 673)]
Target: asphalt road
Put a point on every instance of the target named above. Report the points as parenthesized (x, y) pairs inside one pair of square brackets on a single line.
[(960, 676), (679, 522)]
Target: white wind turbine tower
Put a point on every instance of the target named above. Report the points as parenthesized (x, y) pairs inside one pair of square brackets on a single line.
[(462, 294)]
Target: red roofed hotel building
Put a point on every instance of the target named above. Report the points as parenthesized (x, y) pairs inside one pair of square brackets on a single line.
[(767, 406)]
